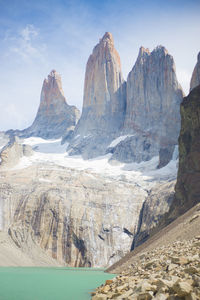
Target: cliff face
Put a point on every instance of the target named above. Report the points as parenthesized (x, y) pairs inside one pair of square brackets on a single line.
[(159, 210), (76, 217), (104, 101), (187, 191), (55, 117), (145, 110), (155, 206), (154, 95), (195, 80), (153, 104)]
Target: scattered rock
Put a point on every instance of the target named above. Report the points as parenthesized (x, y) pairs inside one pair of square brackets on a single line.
[(167, 273)]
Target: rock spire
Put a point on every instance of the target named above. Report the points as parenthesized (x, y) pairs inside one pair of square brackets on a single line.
[(103, 102), (152, 107), (154, 95), (104, 97), (55, 117)]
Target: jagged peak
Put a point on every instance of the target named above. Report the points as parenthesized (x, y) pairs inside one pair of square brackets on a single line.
[(54, 74), (143, 51), (105, 43), (53, 84), (160, 49), (107, 37)]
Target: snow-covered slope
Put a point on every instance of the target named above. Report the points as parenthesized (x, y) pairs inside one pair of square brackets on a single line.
[(52, 152)]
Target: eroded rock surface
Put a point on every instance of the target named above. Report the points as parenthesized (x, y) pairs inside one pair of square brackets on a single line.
[(78, 218)]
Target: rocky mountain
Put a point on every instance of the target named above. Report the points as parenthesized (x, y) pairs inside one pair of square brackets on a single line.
[(142, 114), (181, 217), (195, 80), (103, 103), (55, 117), (81, 213), (73, 212), (152, 120), (157, 212), (187, 191)]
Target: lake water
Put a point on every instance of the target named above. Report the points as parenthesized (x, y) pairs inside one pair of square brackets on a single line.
[(27, 283)]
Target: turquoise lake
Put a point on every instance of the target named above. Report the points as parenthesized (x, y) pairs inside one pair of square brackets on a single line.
[(17, 283)]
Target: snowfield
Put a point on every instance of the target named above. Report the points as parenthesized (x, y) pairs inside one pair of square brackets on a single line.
[(51, 152), (115, 142)]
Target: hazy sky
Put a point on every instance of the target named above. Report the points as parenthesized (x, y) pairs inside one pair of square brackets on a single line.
[(37, 36)]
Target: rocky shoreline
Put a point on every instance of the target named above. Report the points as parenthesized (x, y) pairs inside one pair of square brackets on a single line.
[(167, 273)]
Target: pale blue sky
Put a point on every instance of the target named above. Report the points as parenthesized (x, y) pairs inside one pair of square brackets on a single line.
[(38, 36)]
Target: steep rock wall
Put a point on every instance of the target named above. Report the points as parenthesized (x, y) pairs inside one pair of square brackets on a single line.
[(78, 218), (187, 191), (103, 103), (153, 108)]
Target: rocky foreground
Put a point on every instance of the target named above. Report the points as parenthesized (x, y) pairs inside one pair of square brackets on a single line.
[(168, 272)]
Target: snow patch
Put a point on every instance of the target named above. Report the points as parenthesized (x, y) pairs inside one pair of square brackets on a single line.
[(118, 140), (46, 146), (44, 180)]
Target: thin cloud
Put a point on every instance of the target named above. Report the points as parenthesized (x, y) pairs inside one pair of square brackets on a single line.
[(26, 44)]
